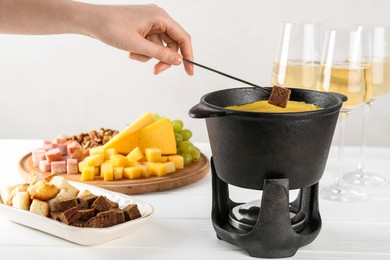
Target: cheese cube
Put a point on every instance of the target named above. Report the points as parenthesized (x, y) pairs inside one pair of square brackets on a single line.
[(108, 175), (118, 173), (132, 172), (118, 160), (88, 173), (161, 169), (135, 155), (99, 152), (108, 153), (153, 154), (81, 165), (107, 171), (91, 161), (164, 159), (97, 171), (178, 160), (144, 170)]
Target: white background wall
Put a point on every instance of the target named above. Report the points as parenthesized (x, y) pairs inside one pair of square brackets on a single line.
[(70, 84)]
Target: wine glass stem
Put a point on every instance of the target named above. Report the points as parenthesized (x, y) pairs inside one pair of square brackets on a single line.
[(343, 120), (366, 112)]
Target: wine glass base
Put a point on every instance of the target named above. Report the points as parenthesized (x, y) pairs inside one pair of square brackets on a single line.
[(343, 193), (364, 178)]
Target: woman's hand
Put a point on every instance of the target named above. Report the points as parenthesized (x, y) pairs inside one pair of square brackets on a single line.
[(146, 31)]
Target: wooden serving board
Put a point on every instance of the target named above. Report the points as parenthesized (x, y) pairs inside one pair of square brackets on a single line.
[(188, 175)]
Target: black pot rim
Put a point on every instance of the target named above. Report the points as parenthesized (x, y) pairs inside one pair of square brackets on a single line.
[(322, 111)]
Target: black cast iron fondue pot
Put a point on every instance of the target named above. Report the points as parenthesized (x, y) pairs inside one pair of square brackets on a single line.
[(248, 147)]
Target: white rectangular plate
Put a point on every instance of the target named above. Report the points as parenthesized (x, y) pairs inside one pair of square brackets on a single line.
[(82, 236)]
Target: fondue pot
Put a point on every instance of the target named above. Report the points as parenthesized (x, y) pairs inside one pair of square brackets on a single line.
[(248, 147), (272, 152)]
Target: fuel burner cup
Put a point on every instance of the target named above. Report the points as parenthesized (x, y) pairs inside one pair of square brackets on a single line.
[(272, 152)]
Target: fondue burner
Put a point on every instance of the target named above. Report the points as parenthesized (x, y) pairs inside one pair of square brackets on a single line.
[(271, 227)]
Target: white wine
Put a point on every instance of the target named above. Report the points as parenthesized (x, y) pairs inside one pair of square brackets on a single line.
[(380, 78), (352, 80), (296, 74)]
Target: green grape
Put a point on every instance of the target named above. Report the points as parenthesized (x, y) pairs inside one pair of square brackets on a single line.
[(179, 151), (186, 146), (187, 158), (195, 153), (156, 117), (177, 125), (179, 139), (187, 134)]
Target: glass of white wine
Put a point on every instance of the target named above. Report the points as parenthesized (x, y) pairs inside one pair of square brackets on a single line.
[(346, 69), (380, 36), (298, 56)]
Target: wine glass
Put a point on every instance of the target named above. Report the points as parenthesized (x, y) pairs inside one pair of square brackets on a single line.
[(346, 69), (298, 56), (380, 36)]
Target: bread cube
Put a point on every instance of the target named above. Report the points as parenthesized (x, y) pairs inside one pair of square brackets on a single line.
[(61, 183), (21, 200), (43, 190), (132, 172), (135, 155), (40, 207), (6, 192), (53, 203), (153, 154)]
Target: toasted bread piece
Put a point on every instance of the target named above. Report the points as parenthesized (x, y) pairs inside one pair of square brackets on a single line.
[(40, 207), (279, 96), (63, 184), (5, 193), (62, 195), (84, 193), (21, 200), (17, 188), (43, 190)]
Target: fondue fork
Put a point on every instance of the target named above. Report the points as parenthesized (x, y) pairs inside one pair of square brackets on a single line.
[(278, 96), (227, 75)]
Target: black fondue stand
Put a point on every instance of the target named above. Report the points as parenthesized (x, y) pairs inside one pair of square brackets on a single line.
[(270, 232), (272, 152)]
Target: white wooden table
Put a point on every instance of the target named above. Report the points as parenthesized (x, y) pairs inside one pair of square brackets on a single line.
[(181, 227)]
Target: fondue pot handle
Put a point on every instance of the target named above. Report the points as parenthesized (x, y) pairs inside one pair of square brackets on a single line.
[(340, 96), (202, 110)]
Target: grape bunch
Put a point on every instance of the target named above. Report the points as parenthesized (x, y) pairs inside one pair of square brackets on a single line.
[(184, 146)]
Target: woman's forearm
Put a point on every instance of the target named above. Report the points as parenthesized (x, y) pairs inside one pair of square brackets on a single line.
[(42, 17)]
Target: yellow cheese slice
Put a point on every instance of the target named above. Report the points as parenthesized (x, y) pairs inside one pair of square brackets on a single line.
[(127, 139), (160, 134)]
